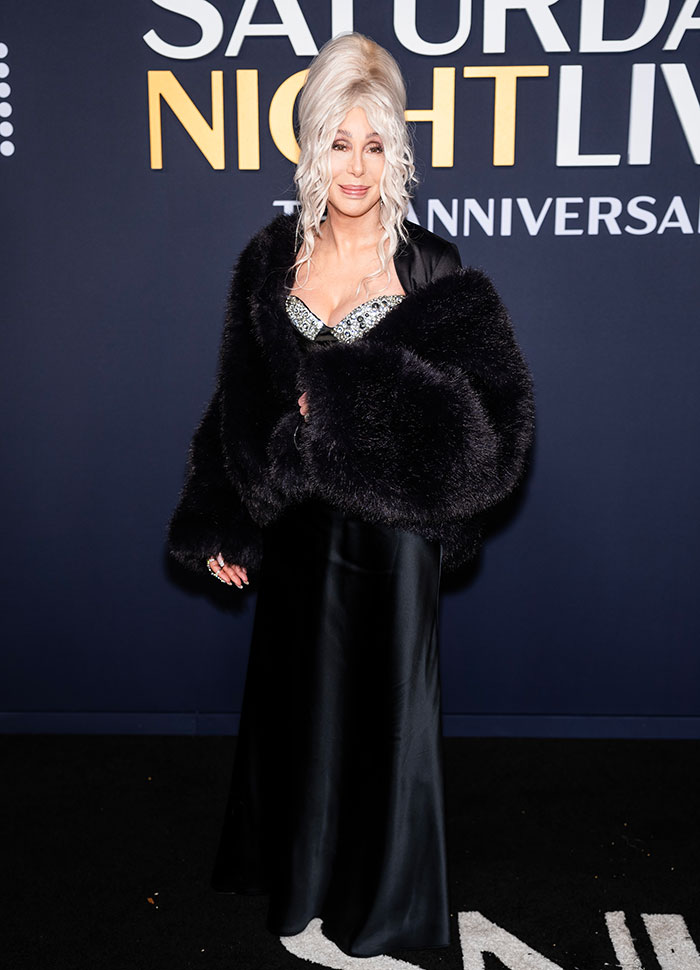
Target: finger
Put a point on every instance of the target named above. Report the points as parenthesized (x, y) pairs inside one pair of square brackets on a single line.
[(233, 572), (216, 569), (240, 571), (231, 576), (222, 562), (235, 578), (225, 574)]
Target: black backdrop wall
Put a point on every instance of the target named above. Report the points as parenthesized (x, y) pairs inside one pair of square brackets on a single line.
[(579, 618)]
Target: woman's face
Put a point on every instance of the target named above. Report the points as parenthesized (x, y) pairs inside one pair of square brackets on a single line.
[(357, 162)]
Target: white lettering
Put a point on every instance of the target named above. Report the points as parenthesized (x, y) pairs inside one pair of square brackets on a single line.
[(682, 219), (562, 215), (598, 209), (448, 220), (621, 939), (649, 223), (407, 32), (685, 101), (292, 24), (673, 944), (204, 14), (478, 935), (591, 36), (506, 216), (641, 114), (541, 18), (472, 207), (684, 21), (342, 19), (596, 214), (533, 223), (569, 123), (288, 206)]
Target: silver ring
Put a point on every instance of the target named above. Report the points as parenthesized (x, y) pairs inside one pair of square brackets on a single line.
[(210, 560)]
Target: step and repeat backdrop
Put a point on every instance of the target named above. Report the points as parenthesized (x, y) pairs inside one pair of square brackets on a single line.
[(557, 143)]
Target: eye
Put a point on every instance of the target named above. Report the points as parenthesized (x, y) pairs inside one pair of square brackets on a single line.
[(376, 148), (338, 144)]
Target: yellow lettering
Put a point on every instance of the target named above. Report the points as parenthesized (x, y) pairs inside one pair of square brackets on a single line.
[(504, 103), (248, 109), (281, 117), (441, 115), (209, 139)]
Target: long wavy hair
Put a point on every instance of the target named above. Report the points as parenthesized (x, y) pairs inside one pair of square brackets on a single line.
[(351, 70)]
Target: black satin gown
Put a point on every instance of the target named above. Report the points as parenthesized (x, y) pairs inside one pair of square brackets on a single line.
[(336, 805)]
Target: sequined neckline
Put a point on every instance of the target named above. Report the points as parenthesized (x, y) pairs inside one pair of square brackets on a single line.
[(360, 319)]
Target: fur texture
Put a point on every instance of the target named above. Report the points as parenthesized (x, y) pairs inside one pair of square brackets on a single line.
[(423, 423)]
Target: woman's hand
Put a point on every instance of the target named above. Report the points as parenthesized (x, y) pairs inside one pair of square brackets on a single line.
[(231, 574), (304, 405)]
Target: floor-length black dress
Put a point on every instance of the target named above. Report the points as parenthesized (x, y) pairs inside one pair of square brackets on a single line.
[(336, 806)]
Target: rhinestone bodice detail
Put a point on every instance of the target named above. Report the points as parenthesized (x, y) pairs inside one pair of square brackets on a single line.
[(353, 325)]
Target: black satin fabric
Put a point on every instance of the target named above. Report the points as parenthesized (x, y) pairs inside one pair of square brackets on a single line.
[(336, 807)]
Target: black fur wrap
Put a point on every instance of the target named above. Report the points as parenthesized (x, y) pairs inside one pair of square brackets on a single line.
[(422, 423)]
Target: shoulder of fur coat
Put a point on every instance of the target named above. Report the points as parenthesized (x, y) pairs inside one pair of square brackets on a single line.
[(422, 423)]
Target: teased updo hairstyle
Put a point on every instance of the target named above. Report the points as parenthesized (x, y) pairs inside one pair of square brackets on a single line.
[(349, 71)]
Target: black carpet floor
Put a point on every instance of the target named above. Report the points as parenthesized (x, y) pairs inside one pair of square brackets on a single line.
[(579, 854)]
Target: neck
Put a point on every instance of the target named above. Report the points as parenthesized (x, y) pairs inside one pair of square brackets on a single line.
[(350, 235)]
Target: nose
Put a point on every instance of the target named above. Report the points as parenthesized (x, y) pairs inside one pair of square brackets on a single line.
[(355, 162)]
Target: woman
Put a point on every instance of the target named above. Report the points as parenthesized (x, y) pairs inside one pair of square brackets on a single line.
[(371, 403)]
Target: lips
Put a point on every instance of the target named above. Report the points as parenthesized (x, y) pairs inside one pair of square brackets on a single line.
[(356, 190)]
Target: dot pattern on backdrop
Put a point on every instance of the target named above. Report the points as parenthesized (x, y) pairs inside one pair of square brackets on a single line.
[(7, 147)]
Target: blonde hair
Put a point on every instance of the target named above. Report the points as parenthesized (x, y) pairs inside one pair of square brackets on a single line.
[(349, 71)]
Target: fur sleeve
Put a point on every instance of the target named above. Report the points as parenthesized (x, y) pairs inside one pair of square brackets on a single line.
[(432, 431), (209, 517)]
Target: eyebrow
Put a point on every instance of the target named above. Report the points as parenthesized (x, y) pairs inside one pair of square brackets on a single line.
[(344, 131)]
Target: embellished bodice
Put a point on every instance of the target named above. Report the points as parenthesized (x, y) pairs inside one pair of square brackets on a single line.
[(353, 325)]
